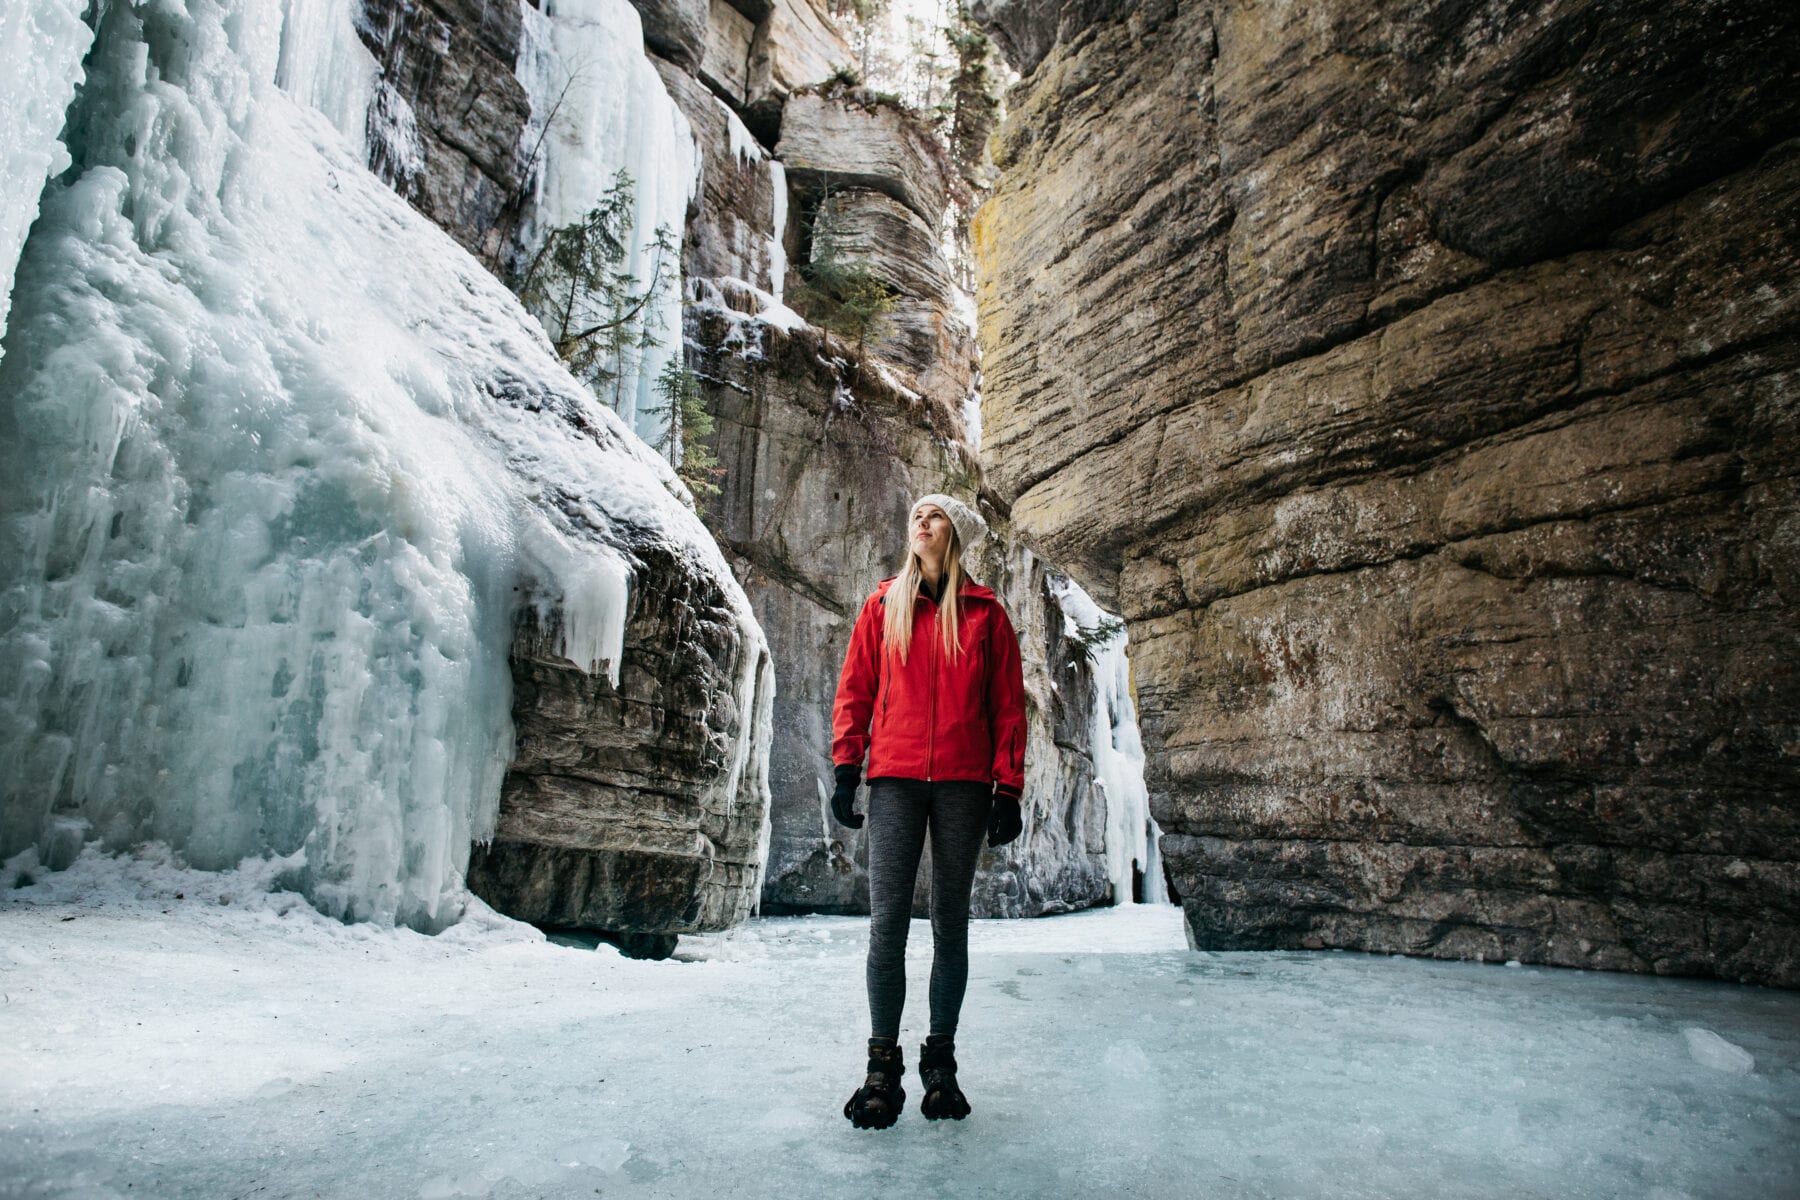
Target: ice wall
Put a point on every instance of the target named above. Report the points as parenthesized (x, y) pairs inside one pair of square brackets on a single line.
[(41, 44), (1131, 834), (279, 462), (599, 107)]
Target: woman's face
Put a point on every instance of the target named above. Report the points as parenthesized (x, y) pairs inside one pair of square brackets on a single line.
[(930, 532)]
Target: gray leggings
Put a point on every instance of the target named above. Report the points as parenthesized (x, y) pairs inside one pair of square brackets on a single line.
[(900, 813)]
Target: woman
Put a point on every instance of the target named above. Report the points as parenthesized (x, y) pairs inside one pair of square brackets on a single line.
[(932, 690)]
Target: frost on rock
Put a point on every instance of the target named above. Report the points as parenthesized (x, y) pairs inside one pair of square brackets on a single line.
[(41, 44), (599, 107), (1131, 833), (279, 465)]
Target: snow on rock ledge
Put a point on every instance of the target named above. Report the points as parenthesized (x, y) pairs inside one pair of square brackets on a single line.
[(281, 467)]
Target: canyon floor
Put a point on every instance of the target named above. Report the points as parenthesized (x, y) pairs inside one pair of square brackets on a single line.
[(176, 1034)]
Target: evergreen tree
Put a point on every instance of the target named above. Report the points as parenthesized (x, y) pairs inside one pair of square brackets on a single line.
[(688, 424), (600, 317), (838, 293)]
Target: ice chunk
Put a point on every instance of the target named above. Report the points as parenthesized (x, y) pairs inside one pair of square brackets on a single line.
[(1714, 1052), (601, 1153)]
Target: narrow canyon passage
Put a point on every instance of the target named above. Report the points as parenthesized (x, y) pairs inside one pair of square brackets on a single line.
[(255, 1048), (445, 449)]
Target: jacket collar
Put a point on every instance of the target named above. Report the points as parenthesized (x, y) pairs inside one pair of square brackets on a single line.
[(969, 590)]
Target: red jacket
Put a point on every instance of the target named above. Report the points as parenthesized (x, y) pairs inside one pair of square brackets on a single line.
[(935, 716)]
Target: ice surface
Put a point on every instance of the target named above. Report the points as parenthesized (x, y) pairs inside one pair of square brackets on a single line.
[(279, 462), (41, 44), (1131, 834), (223, 1048), (582, 65)]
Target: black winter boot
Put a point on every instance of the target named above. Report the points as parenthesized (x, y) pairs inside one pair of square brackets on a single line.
[(877, 1103), (937, 1070)]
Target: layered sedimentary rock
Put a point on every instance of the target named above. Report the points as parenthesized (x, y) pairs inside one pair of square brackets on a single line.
[(636, 807), (842, 140), (757, 52), (449, 113), (1437, 370), (921, 333)]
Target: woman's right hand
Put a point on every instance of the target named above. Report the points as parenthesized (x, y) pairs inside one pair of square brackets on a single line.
[(1004, 820), (843, 799)]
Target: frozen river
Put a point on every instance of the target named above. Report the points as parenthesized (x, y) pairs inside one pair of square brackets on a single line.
[(232, 1043)]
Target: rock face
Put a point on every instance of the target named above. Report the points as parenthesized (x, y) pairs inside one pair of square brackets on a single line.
[(449, 113), (1439, 374), (832, 142), (758, 52), (921, 333), (734, 229), (823, 457), (633, 809), (675, 29), (1024, 30)]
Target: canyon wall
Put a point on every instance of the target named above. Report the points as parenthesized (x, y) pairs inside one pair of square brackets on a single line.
[(823, 447), (1437, 367)]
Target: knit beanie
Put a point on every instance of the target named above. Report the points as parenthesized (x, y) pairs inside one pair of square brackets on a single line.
[(970, 528)]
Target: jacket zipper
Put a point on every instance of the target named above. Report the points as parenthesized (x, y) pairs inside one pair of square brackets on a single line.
[(931, 727)]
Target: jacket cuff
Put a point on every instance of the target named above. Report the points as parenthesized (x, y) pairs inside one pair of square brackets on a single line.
[(1006, 789)]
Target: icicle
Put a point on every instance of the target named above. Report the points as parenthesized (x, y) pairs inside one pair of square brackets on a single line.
[(777, 245), (324, 65)]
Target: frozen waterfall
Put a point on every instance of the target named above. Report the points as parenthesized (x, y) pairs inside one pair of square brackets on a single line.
[(279, 462), (1131, 833), (599, 107)]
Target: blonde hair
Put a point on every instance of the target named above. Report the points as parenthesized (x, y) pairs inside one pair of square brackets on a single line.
[(897, 625)]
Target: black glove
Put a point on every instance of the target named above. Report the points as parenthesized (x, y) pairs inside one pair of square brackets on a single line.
[(1004, 822), (844, 797)]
